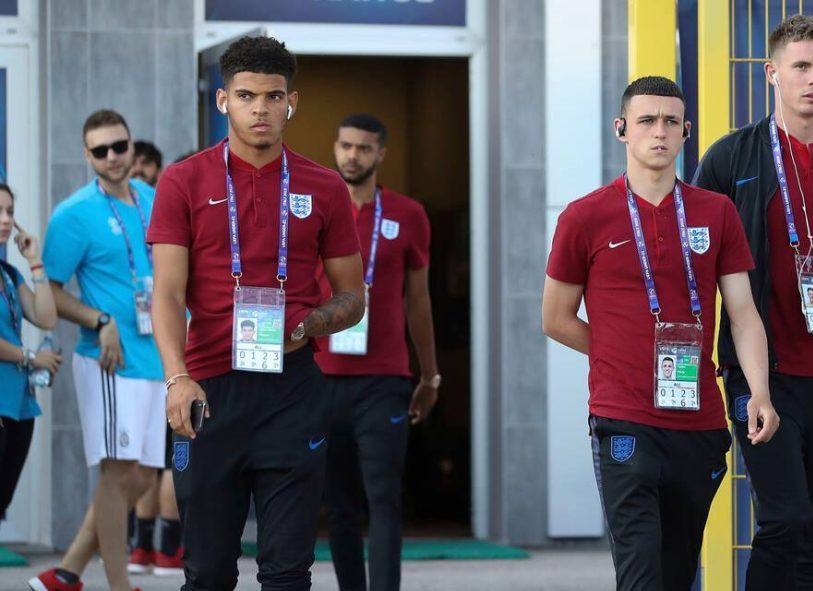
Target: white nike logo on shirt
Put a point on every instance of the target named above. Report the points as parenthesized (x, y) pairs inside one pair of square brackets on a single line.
[(617, 244), (213, 202)]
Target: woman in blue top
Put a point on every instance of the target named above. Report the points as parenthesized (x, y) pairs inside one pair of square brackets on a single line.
[(18, 406)]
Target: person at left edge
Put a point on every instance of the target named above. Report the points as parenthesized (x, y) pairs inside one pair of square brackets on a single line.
[(220, 217), (98, 234), (18, 405), (646, 253)]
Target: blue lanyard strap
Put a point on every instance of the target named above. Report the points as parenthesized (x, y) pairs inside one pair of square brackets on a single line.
[(369, 274), (10, 295), (643, 256), (234, 230), (776, 148), (120, 222)]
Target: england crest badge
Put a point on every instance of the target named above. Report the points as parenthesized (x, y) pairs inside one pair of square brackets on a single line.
[(622, 447), (180, 455), (301, 205), (699, 240), (390, 229)]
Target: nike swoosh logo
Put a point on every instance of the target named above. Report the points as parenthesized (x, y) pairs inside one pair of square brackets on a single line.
[(213, 202), (743, 181), (314, 445), (617, 244), (399, 419), (716, 473)]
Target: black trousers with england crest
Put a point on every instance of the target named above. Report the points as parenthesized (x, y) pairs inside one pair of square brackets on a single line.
[(656, 487), (266, 438)]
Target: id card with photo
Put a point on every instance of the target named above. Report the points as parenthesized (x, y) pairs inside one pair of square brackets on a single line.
[(353, 340), (804, 269), (143, 305), (258, 320), (677, 366)]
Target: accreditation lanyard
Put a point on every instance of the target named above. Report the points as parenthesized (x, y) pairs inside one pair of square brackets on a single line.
[(10, 296), (370, 272), (776, 148), (120, 222), (643, 257), (234, 232)]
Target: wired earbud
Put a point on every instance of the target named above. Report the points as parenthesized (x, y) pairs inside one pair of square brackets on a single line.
[(290, 112), (621, 129), (225, 108), (687, 132)]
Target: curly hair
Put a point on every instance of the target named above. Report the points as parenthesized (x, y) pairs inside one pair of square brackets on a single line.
[(263, 55), (795, 28)]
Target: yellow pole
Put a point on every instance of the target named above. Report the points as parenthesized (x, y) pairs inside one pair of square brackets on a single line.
[(651, 40), (713, 55)]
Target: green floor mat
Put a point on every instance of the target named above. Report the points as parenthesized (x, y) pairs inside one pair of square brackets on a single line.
[(9, 558), (430, 550)]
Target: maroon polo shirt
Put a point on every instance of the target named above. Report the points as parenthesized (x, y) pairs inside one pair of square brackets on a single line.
[(190, 210), (402, 246), (593, 246), (792, 343)]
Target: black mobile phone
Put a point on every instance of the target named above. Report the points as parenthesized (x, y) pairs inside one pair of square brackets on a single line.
[(198, 414)]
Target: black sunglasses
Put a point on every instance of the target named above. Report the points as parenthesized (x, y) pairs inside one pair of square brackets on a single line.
[(119, 147)]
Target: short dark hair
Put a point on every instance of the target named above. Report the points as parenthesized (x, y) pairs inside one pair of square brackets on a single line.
[(263, 55), (366, 122), (103, 118), (798, 27), (247, 323), (149, 151), (7, 189), (652, 86), (665, 359)]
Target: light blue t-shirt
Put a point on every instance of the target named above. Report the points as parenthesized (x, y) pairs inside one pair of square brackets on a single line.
[(16, 401), (84, 238)]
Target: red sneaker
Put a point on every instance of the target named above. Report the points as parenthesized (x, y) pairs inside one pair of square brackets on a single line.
[(48, 581), (141, 561), (166, 565)]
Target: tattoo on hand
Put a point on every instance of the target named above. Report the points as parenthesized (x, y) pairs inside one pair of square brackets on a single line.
[(341, 311)]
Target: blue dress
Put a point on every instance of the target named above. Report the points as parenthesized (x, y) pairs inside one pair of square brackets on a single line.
[(16, 399)]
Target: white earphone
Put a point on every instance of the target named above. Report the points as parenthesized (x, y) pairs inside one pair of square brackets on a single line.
[(225, 108), (290, 112)]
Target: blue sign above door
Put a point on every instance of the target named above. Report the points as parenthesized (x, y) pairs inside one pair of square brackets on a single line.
[(449, 13)]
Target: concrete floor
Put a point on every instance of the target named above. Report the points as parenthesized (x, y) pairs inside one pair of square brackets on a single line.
[(572, 569)]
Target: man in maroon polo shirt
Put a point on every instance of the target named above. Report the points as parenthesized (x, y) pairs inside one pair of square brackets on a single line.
[(647, 253), (238, 231), (744, 166), (367, 366)]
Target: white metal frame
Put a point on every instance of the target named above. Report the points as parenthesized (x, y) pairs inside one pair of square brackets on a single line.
[(422, 41), (29, 517)]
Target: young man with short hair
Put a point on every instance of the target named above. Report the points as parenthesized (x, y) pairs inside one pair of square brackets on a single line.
[(98, 234), (238, 231), (367, 366), (647, 253), (148, 162), (765, 169)]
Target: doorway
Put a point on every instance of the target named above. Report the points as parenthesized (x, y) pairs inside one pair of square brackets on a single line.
[(424, 104)]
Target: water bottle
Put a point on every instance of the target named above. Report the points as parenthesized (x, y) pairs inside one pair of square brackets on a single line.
[(41, 378)]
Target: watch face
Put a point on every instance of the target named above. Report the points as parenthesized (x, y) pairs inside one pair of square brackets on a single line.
[(104, 319)]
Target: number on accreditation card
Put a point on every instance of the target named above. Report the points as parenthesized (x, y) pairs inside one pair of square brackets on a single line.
[(259, 330), (353, 340)]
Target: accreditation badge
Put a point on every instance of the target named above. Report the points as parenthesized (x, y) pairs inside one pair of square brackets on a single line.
[(258, 329), (143, 305), (353, 340), (804, 271), (677, 365)]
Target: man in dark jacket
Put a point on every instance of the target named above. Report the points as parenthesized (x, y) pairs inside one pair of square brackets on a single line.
[(765, 168)]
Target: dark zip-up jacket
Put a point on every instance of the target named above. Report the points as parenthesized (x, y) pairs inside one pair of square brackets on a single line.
[(740, 165)]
